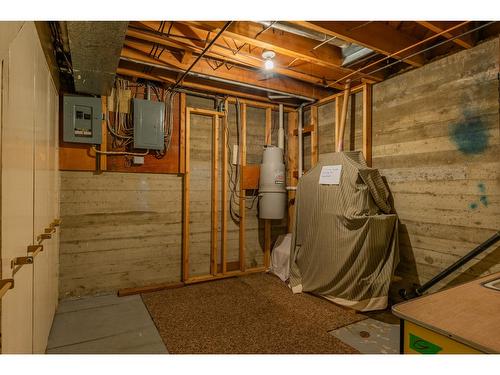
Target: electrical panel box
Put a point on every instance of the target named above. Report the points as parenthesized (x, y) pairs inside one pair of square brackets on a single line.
[(149, 132), (82, 119)]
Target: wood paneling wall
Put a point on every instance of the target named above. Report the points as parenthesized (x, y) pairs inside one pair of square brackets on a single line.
[(436, 141)]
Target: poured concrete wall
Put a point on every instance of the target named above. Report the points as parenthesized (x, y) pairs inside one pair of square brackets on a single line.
[(124, 229), (436, 140), (118, 230)]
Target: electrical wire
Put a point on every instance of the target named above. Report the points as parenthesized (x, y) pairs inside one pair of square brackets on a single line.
[(119, 152)]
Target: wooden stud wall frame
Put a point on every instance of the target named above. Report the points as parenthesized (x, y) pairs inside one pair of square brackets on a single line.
[(219, 119)]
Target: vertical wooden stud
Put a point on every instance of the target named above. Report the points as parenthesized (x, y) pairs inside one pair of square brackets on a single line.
[(292, 164), (267, 243), (104, 137), (224, 189), (269, 113), (243, 162), (267, 223), (185, 202), (182, 136), (367, 123), (314, 135), (338, 111), (343, 117), (215, 192)]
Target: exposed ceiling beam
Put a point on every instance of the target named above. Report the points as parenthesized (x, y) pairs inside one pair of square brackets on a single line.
[(440, 26), (295, 46), (192, 85), (281, 42), (220, 52), (374, 35), (235, 73)]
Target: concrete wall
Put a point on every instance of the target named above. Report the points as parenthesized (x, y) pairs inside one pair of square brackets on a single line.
[(436, 140), (118, 230), (124, 229)]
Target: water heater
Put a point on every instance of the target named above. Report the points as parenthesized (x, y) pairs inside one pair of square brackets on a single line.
[(272, 191)]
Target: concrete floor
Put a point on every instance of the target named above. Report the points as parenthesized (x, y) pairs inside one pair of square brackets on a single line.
[(104, 325), (371, 336)]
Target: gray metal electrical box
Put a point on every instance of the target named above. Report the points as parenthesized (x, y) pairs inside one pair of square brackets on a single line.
[(148, 124), (82, 119)]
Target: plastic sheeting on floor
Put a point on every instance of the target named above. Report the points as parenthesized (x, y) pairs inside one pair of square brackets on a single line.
[(280, 257), (345, 238)]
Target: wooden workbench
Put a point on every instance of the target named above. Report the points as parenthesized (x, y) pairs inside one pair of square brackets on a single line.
[(461, 319)]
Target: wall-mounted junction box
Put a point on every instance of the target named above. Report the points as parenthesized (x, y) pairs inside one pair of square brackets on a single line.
[(82, 119), (148, 124)]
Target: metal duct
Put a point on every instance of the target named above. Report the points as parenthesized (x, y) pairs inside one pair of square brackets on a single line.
[(310, 34), (350, 52), (95, 52)]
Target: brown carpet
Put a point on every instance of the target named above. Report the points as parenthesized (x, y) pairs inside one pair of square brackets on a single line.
[(250, 314)]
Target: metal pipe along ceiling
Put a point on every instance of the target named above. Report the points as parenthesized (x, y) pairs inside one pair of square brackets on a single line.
[(224, 28), (221, 80)]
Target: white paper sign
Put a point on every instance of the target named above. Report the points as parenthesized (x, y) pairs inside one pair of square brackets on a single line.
[(330, 175)]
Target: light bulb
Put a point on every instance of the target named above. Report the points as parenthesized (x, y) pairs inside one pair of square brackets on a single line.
[(268, 64)]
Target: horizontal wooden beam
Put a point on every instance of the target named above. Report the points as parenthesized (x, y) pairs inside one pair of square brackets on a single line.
[(139, 53), (250, 98), (376, 35), (281, 43), (148, 289), (440, 26), (225, 54), (333, 97)]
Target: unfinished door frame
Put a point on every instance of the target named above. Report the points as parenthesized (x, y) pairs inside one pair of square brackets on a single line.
[(186, 113), (215, 115)]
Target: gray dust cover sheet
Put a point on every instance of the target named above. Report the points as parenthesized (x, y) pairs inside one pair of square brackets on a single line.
[(345, 236)]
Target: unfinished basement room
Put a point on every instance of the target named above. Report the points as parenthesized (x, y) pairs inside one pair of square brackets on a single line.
[(249, 187)]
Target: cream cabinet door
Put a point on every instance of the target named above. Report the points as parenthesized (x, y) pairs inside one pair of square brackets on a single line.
[(42, 205), (17, 190), (53, 254)]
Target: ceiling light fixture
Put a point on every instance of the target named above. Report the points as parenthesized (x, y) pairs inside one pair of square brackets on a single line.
[(268, 59)]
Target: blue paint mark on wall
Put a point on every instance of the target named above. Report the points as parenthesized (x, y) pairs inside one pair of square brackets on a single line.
[(470, 135), (484, 200)]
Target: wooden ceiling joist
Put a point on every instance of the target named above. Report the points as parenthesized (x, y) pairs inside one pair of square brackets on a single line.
[(440, 26), (139, 53), (219, 52), (374, 35), (129, 72), (283, 43)]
